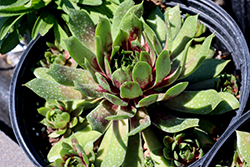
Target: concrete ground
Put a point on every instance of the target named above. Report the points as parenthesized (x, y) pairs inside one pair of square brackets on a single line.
[(11, 155)]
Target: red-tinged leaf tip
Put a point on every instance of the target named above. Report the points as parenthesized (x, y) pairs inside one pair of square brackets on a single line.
[(119, 77), (130, 90), (134, 34)]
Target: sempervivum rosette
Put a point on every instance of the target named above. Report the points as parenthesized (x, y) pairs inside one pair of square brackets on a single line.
[(130, 64)]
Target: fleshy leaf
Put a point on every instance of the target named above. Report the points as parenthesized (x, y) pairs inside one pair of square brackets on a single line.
[(107, 67), (144, 56), (153, 144), (122, 13), (87, 135), (142, 74), (210, 68), (84, 136), (83, 28), (146, 101), (74, 122), (91, 90), (173, 76), (67, 75), (118, 145), (120, 40), (133, 26), (103, 82), (169, 41), (115, 100), (119, 77), (193, 50), (228, 103), (170, 123), (52, 90), (174, 17), (162, 66), (134, 155), (196, 102), (41, 73), (187, 32), (156, 21), (97, 116), (103, 30), (43, 111), (99, 52), (79, 52), (243, 139), (196, 61), (151, 36), (103, 149), (137, 47), (150, 49), (119, 14), (201, 28), (65, 116), (60, 125), (123, 112), (130, 90), (139, 122), (173, 91), (91, 70)]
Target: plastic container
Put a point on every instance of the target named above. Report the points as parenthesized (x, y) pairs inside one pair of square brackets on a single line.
[(23, 102), (226, 146)]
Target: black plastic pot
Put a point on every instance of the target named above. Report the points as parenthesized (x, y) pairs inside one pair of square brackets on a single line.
[(226, 149), (24, 103)]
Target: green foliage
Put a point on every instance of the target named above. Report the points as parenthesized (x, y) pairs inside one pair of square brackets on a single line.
[(62, 118), (137, 71), (241, 157), (28, 18), (57, 55), (183, 149), (74, 155)]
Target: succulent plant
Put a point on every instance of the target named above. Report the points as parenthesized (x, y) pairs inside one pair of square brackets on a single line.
[(61, 117), (228, 83), (74, 156), (149, 162), (186, 147), (57, 55), (181, 150), (238, 161), (137, 69), (241, 157)]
